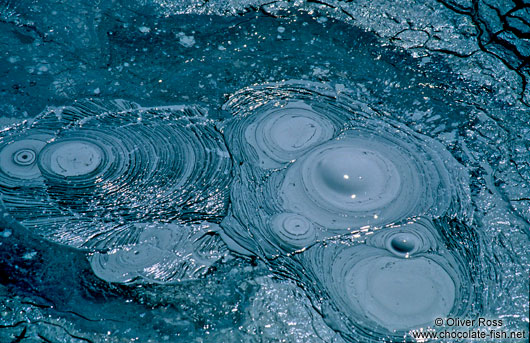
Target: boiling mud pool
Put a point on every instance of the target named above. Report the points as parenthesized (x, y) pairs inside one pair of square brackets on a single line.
[(247, 172)]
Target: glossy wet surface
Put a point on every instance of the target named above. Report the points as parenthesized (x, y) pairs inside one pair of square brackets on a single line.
[(273, 173)]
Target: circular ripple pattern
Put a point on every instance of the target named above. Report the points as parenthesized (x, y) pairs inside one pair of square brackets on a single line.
[(371, 289), (163, 253), (275, 125), (359, 169), (419, 236), (67, 158), (280, 134), (18, 158), (292, 231), (104, 165), (373, 174)]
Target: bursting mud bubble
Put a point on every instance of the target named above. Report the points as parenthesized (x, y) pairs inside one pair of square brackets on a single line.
[(250, 171)]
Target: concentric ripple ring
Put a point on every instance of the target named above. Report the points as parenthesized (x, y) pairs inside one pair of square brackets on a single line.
[(302, 148), (103, 166)]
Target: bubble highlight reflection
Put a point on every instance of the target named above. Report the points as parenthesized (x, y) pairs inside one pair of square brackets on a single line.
[(368, 288), (357, 169)]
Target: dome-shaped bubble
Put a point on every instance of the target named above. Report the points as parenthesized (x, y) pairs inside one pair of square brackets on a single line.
[(107, 164), (349, 176), (162, 253), (405, 240), (372, 174), (367, 171), (367, 287), (403, 243)]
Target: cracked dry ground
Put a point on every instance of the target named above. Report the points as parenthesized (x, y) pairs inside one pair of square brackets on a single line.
[(485, 42)]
